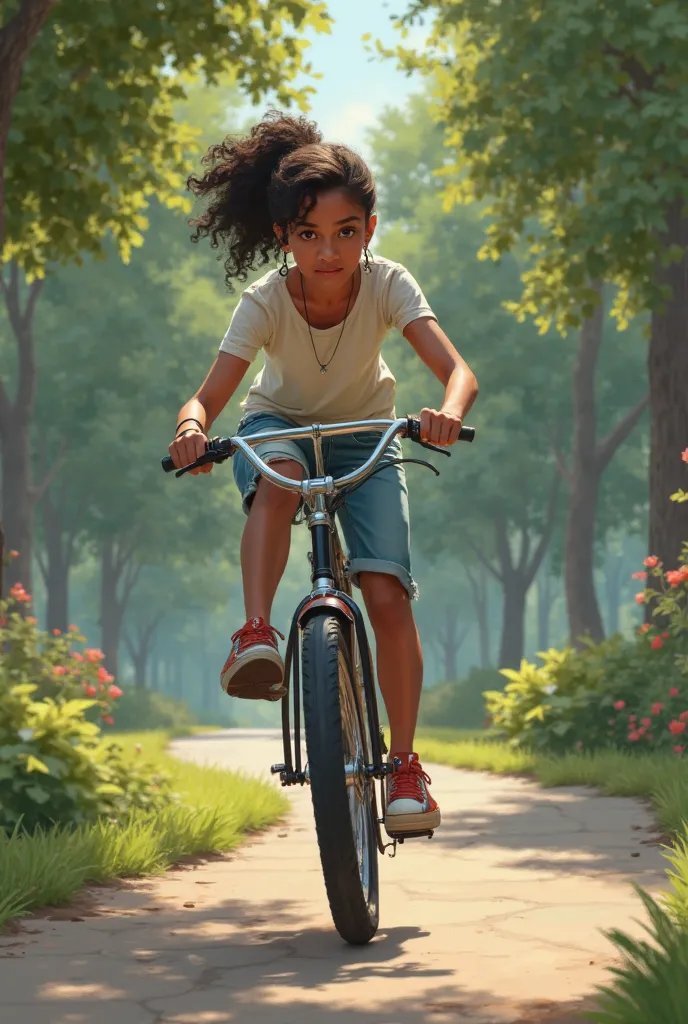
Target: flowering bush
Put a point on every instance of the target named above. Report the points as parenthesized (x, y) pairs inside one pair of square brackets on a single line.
[(621, 693), (54, 765)]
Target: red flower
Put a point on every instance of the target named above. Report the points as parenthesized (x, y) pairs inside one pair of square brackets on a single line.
[(656, 643), (657, 707), (676, 728), (76, 656), (73, 629), (640, 597), (673, 692), (647, 722), (678, 749), (18, 592), (684, 716), (639, 576), (634, 736), (56, 632), (104, 676), (651, 561), (14, 554), (684, 454), (31, 620), (673, 577), (90, 691), (665, 635), (619, 705), (644, 628), (60, 670), (93, 654), (115, 692), (109, 719)]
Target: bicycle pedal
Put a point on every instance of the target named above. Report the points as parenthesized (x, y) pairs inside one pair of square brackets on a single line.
[(277, 768), (401, 836)]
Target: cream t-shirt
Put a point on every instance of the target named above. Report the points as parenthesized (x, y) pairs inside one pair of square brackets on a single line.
[(358, 384)]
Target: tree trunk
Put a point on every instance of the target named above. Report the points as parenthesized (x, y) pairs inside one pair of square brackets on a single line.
[(118, 577), (668, 372), (140, 644), (59, 557), (589, 459), (513, 627), (544, 605), (450, 641), (16, 39), (612, 579), (479, 587), (18, 493)]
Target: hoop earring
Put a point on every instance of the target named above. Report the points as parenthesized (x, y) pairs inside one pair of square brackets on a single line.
[(366, 265), (284, 269)]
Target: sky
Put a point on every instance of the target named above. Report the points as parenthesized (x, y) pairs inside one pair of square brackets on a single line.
[(355, 88)]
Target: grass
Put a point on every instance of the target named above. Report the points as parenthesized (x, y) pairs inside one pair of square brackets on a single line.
[(660, 778), (215, 811)]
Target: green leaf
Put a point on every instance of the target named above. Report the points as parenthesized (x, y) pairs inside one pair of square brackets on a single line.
[(37, 794)]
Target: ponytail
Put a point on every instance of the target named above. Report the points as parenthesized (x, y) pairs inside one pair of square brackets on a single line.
[(272, 176)]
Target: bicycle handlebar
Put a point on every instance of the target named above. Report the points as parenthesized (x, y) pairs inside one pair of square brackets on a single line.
[(221, 448)]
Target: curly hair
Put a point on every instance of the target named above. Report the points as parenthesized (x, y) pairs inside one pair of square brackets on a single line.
[(272, 176)]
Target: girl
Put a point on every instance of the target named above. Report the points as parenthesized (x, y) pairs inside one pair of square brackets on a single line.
[(320, 324)]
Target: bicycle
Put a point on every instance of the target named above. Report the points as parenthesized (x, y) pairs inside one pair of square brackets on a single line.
[(332, 665)]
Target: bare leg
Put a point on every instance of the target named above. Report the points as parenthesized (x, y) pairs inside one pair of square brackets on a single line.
[(266, 540), (399, 656)]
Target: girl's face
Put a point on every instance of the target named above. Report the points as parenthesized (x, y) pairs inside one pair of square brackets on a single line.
[(327, 244)]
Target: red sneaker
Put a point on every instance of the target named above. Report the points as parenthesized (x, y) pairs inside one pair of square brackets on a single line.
[(410, 808), (254, 669)]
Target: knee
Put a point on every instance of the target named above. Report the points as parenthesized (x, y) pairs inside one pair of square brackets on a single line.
[(386, 598), (277, 499)]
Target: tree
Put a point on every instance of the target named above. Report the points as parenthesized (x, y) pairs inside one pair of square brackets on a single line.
[(576, 119), (93, 136)]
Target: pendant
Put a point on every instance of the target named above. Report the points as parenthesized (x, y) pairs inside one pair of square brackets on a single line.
[(323, 369)]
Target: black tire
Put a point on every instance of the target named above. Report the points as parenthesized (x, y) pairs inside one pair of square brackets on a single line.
[(333, 724)]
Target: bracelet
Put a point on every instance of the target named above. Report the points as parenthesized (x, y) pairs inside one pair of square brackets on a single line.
[(190, 419), (183, 433)]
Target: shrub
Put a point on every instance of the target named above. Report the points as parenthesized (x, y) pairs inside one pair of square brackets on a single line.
[(145, 709), (459, 704), (619, 693), (55, 767)]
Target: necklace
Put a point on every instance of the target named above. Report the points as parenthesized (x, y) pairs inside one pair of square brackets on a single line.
[(323, 366)]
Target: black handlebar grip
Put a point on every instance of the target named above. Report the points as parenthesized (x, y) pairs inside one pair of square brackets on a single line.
[(413, 430), (167, 464)]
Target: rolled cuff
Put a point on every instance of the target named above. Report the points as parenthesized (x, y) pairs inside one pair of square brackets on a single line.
[(359, 565)]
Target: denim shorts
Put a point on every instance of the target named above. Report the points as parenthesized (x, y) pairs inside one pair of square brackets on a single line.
[(374, 518)]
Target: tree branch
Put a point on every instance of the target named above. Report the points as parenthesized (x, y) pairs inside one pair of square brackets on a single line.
[(546, 536), (561, 463), (39, 490), (606, 448), (481, 557), (503, 549)]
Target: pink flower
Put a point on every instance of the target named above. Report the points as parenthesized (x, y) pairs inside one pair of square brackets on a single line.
[(676, 728), (673, 577), (673, 692), (665, 636), (644, 628), (640, 597), (634, 736), (657, 707), (60, 670), (684, 454), (56, 632), (109, 719), (115, 692), (76, 656), (639, 576), (678, 749), (18, 592), (93, 654), (90, 691), (684, 716), (31, 620), (104, 676), (14, 554), (619, 705), (651, 561), (656, 643), (73, 629), (647, 722)]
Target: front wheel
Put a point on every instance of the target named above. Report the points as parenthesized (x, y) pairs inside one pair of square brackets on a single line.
[(343, 795)]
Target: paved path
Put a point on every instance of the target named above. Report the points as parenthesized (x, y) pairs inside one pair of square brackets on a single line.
[(495, 921)]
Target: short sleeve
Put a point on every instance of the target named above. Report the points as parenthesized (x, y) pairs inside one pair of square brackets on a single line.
[(405, 300), (250, 328)]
